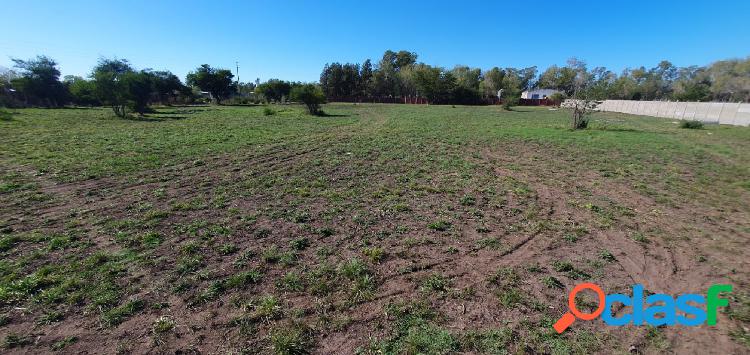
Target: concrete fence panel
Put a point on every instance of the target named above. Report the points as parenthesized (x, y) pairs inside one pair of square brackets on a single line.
[(653, 109), (743, 115), (679, 110), (690, 111), (700, 111), (673, 108), (731, 113), (714, 109)]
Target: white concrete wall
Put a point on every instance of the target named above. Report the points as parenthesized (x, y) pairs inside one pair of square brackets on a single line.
[(731, 113)]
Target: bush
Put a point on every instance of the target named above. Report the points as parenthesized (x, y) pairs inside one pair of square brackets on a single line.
[(267, 111), (311, 95), (691, 124), (557, 98), (581, 124), (5, 115), (509, 102)]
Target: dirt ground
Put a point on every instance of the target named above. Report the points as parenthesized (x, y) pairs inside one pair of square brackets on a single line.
[(495, 244)]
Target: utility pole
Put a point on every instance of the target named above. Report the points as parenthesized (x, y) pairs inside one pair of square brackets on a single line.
[(237, 65)]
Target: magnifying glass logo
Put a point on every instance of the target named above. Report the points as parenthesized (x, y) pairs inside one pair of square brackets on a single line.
[(568, 318)]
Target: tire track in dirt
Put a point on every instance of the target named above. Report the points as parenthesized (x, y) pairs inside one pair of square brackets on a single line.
[(668, 266)]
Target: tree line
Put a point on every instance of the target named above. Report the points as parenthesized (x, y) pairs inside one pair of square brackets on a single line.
[(116, 83), (398, 74)]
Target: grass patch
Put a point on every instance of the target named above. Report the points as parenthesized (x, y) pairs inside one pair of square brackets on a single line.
[(119, 314), (691, 124)]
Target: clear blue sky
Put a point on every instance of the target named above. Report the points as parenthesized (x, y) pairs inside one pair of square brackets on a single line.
[(292, 40)]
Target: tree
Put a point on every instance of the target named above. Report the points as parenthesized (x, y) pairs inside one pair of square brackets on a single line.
[(136, 90), (583, 99), (82, 91), (339, 80), (558, 78), (274, 89), (39, 81), (512, 85), (311, 95), (7, 97), (730, 80), (365, 75), (120, 86), (694, 84), (434, 83), (218, 82), (107, 76), (492, 82), (466, 91), (166, 86), (385, 78)]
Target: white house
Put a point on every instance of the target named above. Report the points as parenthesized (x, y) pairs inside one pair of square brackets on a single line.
[(538, 93)]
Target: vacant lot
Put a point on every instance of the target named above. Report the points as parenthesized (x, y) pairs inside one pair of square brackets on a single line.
[(379, 228)]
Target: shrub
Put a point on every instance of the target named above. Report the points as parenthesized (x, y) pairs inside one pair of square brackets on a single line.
[(691, 124), (311, 95), (557, 98), (509, 102), (5, 115), (267, 111)]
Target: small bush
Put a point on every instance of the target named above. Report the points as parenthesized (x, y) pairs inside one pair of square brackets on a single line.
[(267, 111), (691, 124), (581, 124), (5, 115), (311, 95)]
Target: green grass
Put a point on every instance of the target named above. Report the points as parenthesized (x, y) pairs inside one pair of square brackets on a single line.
[(195, 207)]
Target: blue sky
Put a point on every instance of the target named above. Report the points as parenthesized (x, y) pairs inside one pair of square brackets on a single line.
[(292, 40)]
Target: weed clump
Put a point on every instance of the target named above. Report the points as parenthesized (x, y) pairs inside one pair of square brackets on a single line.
[(691, 124), (440, 225), (291, 340)]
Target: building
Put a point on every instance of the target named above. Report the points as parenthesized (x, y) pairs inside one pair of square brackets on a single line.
[(538, 93)]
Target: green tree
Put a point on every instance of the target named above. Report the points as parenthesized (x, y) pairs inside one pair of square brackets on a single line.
[(274, 89), (107, 76), (365, 75), (82, 91), (39, 82), (166, 86), (693, 84), (466, 90), (339, 80), (311, 95), (218, 82), (558, 78), (120, 86), (492, 82), (730, 80), (435, 83), (136, 90), (386, 79)]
